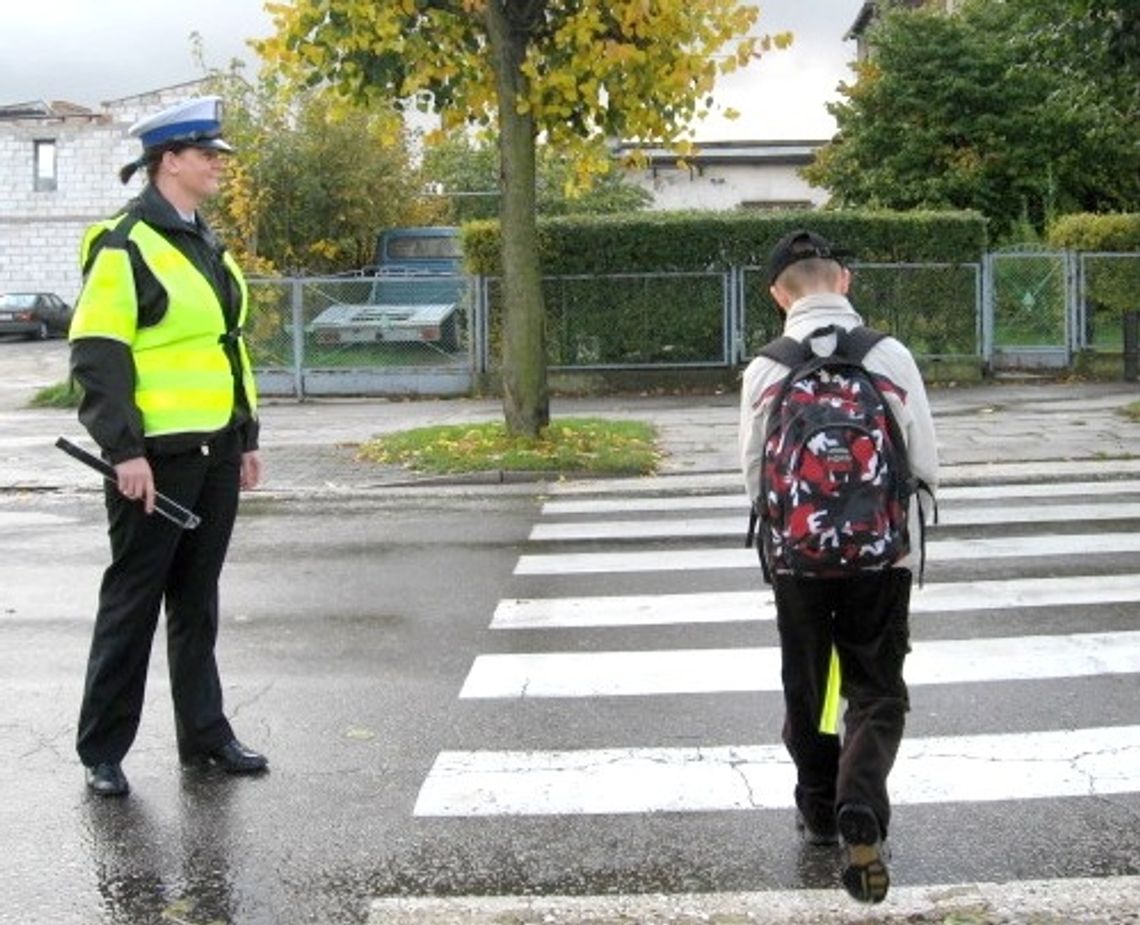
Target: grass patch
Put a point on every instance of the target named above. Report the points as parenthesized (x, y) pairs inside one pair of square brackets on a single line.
[(567, 445), (64, 394), (1132, 412)]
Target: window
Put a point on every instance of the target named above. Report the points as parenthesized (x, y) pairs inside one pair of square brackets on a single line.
[(45, 164)]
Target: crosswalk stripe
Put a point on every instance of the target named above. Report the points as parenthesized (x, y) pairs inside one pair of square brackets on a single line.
[(669, 560), (748, 669), (13, 519), (1031, 765), (749, 606), (740, 499), (959, 474), (732, 526)]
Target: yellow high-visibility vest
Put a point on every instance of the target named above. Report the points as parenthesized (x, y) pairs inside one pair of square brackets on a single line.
[(184, 381)]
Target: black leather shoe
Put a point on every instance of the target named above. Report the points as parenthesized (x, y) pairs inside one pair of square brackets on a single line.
[(233, 758), (107, 780)]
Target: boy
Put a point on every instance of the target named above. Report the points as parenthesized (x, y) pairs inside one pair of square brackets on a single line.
[(840, 789)]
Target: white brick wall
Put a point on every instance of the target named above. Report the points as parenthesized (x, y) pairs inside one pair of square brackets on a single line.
[(40, 231), (726, 186)]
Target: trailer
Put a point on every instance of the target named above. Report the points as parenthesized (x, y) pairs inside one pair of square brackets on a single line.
[(417, 287)]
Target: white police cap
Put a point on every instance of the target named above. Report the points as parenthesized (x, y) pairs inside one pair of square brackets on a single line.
[(196, 122)]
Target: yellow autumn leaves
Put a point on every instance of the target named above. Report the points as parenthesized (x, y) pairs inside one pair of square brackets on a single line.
[(568, 445)]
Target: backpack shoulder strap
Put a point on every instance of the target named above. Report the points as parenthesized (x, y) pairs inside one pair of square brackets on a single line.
[(786, 350), (856, 343)]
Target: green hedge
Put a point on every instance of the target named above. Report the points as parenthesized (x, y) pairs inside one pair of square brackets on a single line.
[(1086, 231), (681, 241), (1111, 246), (671, 319)]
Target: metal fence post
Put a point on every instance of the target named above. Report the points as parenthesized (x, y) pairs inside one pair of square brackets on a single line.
[(1131, 321), (298, 340), (1082, 303), (1073, 306), (739, 321), (986, 312), (729, 318), (479, 325)]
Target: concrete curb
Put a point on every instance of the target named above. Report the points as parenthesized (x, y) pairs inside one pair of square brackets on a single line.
[(669, 483), (1108, 901)]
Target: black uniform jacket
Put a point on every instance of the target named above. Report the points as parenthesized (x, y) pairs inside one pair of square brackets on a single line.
[(105, 368)]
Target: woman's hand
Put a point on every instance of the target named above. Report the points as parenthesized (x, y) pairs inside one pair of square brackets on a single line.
[(136, 481), (250, 469)]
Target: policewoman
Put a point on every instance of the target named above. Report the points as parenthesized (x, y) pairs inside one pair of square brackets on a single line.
[(169, 396)]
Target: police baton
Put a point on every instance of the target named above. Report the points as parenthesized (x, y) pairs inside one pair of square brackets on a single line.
[(167, 507)]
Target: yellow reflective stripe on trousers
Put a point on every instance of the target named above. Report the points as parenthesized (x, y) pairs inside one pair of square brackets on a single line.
[(829, 715)]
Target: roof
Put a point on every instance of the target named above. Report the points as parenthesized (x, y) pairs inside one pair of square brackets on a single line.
[(197, 82), (869, 11), (730, 152), (43, 109), (862, 20)]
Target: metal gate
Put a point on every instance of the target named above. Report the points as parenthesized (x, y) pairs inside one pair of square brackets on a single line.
[(1030, 318)]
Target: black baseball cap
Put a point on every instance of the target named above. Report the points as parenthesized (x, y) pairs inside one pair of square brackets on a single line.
[(801, 245)]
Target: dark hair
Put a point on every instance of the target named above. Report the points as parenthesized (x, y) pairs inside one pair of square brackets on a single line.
[(150, 159)]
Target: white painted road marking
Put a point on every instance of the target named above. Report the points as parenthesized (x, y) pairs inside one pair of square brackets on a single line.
[(735, 526), (13, 519), (1013, 766), (755, 606), (747, 669), (739, 500), (670, 560)]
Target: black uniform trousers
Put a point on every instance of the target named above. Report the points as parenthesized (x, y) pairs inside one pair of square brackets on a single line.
[(866, 617), (153, 560)]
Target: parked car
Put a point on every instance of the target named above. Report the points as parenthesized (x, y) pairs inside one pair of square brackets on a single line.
[(36, 315)]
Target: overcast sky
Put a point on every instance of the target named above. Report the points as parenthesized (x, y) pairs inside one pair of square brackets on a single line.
[(87, 51)]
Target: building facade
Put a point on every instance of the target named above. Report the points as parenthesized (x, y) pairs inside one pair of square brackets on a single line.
[(728, 175), (59, 166)]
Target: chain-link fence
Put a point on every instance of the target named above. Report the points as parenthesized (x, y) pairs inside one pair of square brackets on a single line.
[(434, 334), (1031, 308), (1048, 308), (625, 320), (934, 308), (360, 333), (1109, 286)]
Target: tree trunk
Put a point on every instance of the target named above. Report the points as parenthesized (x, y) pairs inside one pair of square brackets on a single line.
[(526, 400)]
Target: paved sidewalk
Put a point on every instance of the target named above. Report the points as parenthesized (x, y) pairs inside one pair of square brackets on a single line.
[(310, 448)]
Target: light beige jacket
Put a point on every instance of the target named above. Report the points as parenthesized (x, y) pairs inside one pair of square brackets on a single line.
[(888, 358)]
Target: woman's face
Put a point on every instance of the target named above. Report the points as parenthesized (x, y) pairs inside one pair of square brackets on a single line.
[(197, 172)]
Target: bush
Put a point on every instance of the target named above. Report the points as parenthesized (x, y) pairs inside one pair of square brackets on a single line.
[(598, 317), (1086, 231), (696, 241), (1111, 244)]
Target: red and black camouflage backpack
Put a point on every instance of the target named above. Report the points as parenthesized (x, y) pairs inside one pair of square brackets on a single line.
[(835, 484)]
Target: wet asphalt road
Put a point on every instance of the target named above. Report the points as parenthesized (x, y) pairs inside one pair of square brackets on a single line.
[(348, 629), (344, 640), (347, 633)]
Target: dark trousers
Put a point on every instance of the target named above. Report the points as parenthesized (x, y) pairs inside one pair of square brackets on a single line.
[(153, 560), (866, 617)]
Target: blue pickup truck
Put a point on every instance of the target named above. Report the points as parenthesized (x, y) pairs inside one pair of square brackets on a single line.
[(417, 286)]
